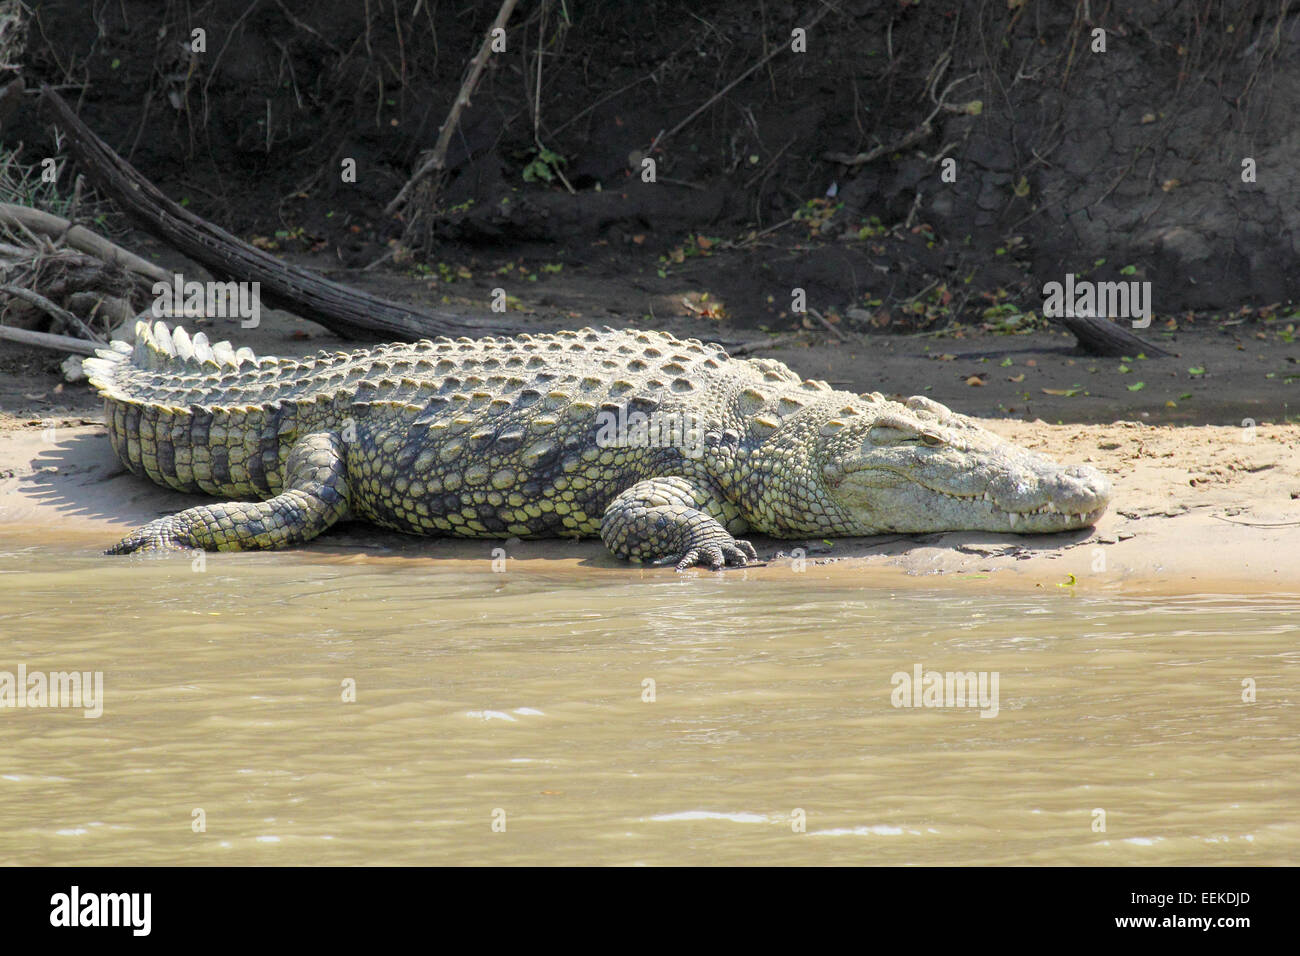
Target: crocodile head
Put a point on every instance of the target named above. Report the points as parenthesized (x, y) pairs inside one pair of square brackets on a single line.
[(918, 468)]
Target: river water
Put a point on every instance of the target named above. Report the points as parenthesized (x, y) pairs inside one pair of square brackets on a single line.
[(317, 708)]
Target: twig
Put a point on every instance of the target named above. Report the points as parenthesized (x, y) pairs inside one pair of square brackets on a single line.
[(72, 209), (622, 89), (220, 53), (911, 213), (565, 179), (775, 341), (758, 235), (537, 84), (439, 156), (777, 49), (833, 330), (384, 258), (919, 133), (45, 305), (537, 107), (1258, 524), (762, 173)]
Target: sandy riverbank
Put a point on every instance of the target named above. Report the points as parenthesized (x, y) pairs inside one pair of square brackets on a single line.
[(1196, 509)]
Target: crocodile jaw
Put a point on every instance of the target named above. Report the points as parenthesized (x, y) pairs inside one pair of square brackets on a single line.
[(998, 487)]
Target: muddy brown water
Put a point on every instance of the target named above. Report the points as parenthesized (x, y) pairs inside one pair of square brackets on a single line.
[(509, 717)]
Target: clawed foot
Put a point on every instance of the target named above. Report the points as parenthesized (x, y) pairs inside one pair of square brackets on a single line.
[(157, 535), (669, 520), (717, 554)]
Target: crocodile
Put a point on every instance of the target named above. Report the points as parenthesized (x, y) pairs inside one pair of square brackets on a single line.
[(665, 448)]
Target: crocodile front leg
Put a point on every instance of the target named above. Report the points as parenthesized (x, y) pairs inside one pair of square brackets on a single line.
[(671, 520), (315, 496)]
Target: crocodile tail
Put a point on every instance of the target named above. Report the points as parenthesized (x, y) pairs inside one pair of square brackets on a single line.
[(158, 347), (103, 368)]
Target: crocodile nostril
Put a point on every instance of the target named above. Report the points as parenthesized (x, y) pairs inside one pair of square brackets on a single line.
[(1081, 489)]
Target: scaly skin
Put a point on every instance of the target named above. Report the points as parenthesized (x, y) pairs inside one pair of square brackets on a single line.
[(493, 438)]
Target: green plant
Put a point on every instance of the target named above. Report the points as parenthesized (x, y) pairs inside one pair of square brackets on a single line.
[(544, 166)]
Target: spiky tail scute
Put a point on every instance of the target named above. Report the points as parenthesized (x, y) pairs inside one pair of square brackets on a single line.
[(158, 347)]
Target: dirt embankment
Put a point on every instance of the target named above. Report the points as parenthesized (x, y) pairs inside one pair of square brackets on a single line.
[(824, 168), (1073, 161)]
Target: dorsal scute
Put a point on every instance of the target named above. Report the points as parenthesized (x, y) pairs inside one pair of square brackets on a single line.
[(160, 347)]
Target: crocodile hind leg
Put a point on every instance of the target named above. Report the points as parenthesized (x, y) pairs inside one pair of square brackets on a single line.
[(672, 520), (315, 496)]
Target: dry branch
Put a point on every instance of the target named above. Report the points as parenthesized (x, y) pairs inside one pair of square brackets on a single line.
[(50, 309), (79, 238), (438, 157), (59, 343), (1100, 336)]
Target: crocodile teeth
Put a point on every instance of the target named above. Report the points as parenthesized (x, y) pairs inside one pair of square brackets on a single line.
[(1014, 518)]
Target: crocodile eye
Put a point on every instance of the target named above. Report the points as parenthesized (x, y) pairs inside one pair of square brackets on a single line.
[(931, 439)]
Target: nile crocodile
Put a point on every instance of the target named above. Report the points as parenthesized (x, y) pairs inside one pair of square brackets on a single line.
[(665, 448)]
